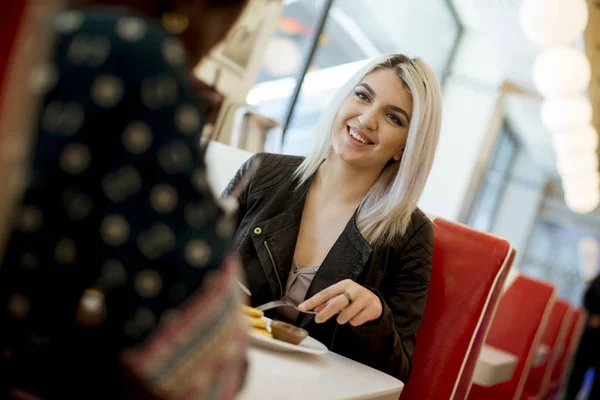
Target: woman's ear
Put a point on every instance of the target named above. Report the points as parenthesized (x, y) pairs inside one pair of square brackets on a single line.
[(398, 156)]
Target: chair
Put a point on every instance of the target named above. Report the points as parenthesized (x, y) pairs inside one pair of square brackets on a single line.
[(517, 328), (223, 162), (469, 269), (554, 337), (566, 354)]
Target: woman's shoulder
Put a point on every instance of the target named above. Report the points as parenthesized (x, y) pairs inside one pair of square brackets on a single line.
[(418, 234), (277, 163), (122, 24), (413, 250), (105, 39), (421, 221), (272, 169)]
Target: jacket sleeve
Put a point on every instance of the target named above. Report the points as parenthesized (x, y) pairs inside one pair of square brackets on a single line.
[(391, 339)]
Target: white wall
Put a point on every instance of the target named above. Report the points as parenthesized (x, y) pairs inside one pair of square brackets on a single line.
[(472, 114)]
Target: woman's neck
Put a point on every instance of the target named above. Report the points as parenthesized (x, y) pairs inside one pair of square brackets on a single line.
[(339, 182)]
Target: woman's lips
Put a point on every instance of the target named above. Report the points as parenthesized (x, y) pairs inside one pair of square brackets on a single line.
[(357, 137)]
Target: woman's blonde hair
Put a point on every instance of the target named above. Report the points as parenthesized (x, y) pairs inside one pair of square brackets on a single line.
[(387, 208)]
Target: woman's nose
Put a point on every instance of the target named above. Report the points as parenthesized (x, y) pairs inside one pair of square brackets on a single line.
[(368, 119)]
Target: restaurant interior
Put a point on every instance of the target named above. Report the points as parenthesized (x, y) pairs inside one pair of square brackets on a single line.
[(513, 193)]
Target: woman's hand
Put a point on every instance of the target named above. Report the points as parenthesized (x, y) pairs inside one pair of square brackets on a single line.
[(353, 302)]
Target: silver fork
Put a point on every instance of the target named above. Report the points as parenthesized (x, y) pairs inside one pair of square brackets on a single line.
[(282, 303)]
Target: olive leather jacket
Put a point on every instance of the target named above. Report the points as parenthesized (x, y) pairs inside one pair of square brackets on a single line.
[(270, 210)]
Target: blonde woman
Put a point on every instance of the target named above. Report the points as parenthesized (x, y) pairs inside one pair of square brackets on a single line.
[(340, 230)]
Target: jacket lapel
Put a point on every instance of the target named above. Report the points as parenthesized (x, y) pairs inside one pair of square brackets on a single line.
[(346, 260), (275, 242), (275, 238)]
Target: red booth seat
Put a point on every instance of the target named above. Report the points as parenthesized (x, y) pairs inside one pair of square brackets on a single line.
[(554, 337), (517, 328), (565, 357), (469, 270)]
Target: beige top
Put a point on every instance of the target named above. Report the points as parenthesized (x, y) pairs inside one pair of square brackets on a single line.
[(296, 287)]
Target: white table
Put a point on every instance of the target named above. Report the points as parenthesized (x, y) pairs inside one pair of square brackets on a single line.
[(275, 375), (494, 366)]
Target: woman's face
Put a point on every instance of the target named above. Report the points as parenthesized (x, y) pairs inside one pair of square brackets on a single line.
[(371, 126)]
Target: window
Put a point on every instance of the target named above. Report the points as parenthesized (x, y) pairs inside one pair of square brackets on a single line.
[(553, 256), (355, 32), (491, 188)]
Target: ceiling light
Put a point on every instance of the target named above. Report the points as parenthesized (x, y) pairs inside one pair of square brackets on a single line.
[(553, 22), (282, 57), (576, 164), (561, 71), (583, 203), (575, 142), (564, 113)]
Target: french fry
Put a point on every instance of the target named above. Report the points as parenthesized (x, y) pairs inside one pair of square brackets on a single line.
[(252, 312), (257, 323), (263, 332)]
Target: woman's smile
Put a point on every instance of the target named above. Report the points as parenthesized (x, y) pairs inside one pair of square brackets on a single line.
[(358, 137)]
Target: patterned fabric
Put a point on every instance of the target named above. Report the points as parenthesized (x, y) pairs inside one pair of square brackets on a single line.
[(115, 283)]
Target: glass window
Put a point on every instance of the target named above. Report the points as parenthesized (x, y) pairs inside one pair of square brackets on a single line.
[(284, 57), (553, 256), (356, 31), (540, 244), (493, 182)]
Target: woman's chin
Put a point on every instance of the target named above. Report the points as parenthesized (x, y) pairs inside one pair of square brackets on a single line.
[(350, 157)]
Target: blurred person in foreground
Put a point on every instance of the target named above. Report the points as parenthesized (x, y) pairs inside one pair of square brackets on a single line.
[(339, 231), (588, 354), (116, 282)]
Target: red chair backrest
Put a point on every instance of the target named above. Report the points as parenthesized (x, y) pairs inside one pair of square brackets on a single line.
[(565, 357), (469, 269), (554, 337), (517, 328)]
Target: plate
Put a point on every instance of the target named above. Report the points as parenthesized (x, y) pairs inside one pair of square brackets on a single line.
[(308, 345)]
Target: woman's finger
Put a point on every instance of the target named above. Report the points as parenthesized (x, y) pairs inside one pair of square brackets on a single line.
[(325, 295), (362, 317), (319, 308), (351, 311), (334, 306)]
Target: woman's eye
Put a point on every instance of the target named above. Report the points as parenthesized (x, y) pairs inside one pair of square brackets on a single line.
[(361, 95), (395, 119)]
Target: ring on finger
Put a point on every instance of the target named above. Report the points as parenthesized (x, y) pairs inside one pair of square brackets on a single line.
[(348, 296)]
